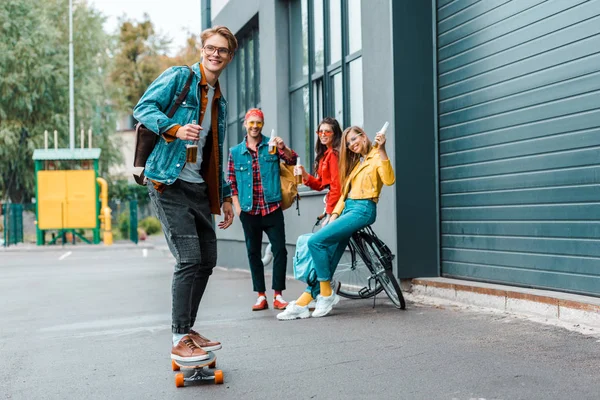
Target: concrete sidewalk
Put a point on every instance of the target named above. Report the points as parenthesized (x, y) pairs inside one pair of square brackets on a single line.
[(575, 312), (571, 311), (96, 325)]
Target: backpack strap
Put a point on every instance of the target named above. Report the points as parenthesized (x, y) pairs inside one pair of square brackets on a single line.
[(182, 95)]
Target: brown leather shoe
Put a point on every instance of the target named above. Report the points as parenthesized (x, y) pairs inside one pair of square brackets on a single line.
[(186, 350), (203, 342)]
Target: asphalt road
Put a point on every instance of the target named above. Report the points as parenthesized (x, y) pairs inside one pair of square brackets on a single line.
[(94, 324)]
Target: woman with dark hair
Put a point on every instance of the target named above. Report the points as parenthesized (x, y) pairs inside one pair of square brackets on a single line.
[(326, 164)]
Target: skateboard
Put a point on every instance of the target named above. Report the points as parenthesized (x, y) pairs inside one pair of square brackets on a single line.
[(200, 373)]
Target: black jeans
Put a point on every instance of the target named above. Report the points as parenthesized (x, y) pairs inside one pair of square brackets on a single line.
[(184, 212), (273, 225)]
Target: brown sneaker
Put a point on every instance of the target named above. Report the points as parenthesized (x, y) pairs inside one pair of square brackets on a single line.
[(204, 343), (186, 350)]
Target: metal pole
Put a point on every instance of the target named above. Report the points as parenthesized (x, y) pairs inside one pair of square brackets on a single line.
[(71, 96), (205, 15)]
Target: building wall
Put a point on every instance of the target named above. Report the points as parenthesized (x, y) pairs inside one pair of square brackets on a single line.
[(125, 170)]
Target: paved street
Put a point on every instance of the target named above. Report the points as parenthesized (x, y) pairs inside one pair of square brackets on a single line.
[(94, 324)]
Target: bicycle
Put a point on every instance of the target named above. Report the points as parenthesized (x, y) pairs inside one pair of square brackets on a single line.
[(365, 268)]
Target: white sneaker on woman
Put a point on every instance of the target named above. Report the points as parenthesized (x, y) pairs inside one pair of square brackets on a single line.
[(325, 305), (293, 311)]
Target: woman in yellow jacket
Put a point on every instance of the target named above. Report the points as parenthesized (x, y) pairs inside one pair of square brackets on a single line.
[(364, 169)]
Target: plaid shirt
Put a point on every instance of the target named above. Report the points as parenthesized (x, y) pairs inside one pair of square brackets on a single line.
[(259, 206)]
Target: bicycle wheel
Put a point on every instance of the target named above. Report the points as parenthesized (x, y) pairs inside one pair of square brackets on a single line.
[(381, 262), (355, 277)]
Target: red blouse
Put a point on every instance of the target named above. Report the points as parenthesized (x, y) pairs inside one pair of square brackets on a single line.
[(327, 174)]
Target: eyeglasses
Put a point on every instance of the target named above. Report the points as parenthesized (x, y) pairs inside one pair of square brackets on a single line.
[(324, 133), (354, 139), (210, 50), (258, 124)]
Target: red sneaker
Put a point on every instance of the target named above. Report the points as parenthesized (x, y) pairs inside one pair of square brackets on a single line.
[(261, 304), (279, 303)]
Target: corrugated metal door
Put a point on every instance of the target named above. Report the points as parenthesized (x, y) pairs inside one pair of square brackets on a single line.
[(519, 140)]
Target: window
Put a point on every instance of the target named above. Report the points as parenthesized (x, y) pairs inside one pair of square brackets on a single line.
[(243, 86), (325, 68)]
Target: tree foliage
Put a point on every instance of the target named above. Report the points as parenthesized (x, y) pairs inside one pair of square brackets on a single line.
[(137, 61), (111, 72), (34, 85)]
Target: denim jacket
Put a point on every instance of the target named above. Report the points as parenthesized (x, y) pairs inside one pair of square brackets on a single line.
[(269, 173), (168, 157)]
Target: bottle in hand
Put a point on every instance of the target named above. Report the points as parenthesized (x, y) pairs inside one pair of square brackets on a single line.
[(272, 145), (298, 172), (191, 150)]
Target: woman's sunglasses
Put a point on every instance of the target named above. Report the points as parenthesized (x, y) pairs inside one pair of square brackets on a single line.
[(324, 133), (354, 139)]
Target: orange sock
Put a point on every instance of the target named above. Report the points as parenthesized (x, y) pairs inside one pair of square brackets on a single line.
[(326, 288), (304, 299)]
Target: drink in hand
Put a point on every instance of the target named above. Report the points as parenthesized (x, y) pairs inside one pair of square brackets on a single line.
[(298, 172), (272, 146), (191, 150), (191, 153), (383, 130)]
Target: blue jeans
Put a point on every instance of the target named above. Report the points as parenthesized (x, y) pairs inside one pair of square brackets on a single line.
[(327, 246)]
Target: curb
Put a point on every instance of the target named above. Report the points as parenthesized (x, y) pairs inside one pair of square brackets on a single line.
[(553, 306)]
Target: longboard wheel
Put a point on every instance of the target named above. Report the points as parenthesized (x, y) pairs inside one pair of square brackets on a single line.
[(179, 380), (218, 377), (174, 366), (213, 364)]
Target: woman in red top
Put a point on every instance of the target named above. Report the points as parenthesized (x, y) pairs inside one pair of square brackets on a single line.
[(326, 164)]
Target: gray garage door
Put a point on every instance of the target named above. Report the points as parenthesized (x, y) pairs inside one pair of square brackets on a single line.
[(519, 141)]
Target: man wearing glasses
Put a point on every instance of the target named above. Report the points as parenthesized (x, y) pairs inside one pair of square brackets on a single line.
[(256, 190), (185, 191)]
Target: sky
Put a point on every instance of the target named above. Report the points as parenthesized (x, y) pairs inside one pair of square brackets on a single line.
[(173, 18)]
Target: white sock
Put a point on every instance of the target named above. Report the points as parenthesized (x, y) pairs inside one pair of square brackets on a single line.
[(177, 337)]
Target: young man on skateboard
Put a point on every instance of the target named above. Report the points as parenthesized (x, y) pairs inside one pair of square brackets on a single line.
[(256, 190), (186, 190)]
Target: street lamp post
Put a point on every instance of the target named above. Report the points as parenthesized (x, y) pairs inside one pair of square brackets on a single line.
[(71, 91)]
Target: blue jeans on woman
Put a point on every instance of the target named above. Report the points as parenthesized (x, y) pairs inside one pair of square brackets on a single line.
[(327, 246)]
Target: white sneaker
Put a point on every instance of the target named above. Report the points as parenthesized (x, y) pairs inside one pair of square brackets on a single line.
[(293, 311), (325, 304)]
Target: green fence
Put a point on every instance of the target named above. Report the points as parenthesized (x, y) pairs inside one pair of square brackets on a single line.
[(12, 221), (133, 221)]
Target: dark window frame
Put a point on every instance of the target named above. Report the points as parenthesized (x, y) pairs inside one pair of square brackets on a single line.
[(324, 77)]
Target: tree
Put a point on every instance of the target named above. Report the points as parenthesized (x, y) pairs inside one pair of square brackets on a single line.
[(27, 88), (137, 61), (34, 57), (188, 55)]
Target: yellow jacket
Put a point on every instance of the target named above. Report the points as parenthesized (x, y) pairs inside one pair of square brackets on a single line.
[(366, 180)]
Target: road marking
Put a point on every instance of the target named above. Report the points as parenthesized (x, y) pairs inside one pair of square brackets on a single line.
[(144, 252), (67, 254)]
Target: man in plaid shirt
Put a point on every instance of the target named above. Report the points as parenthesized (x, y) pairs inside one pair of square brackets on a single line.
[(256, 194)]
